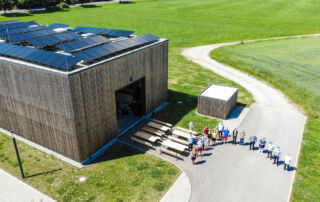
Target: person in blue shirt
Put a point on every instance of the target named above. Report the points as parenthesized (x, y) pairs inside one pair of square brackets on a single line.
[(277, 154), (191, 141), (225, 135), (203, 141), (262, 144), (253, 140)]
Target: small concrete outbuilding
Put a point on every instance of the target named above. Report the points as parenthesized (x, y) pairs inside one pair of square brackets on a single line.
[(217, 101)]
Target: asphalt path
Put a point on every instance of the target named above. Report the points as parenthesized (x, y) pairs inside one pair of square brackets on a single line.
[(14, 190), (233, 173)]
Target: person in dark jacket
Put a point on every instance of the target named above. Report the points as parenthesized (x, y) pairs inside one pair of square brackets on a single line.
[(234, 136)]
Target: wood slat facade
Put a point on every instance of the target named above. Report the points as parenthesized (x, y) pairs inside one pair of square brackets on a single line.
[(214, 107), (75, 115)]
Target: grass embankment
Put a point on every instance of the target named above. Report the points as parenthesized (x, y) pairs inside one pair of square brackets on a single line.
[(190, 23), (186, 81), (121, 174), (292, 65)]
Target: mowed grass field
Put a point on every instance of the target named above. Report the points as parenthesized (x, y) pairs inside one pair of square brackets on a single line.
[(121, 174), (193, 22), (292, 65), (190, 23)]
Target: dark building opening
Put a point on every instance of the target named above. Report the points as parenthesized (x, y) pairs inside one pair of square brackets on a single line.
[(130, 103)]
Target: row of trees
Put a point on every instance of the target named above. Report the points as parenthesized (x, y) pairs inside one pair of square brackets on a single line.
[(6, 5)]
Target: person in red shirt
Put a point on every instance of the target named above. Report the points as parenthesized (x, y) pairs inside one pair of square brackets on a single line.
[(206, 130)]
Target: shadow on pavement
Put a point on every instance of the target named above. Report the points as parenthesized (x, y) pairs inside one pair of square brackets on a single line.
[(200, 162), (235, 113), (291, 168), (207, 154)]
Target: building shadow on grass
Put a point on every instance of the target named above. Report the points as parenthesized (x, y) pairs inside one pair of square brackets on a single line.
[(90, 6), (51, 10), (117, 151), (10, 15), (179, 104), (44, 173), (126, 2)]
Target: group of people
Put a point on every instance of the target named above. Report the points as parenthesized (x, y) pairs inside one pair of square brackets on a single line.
[(222, 133)]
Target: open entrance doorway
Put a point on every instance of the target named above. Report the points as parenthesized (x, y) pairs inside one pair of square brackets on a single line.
[(131, 104)]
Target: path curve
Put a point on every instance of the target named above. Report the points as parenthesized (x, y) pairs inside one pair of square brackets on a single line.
[(234, 173)]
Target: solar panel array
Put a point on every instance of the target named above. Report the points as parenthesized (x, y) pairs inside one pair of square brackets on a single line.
[(9, 22), (38, 56), (54, 39), (104, 31), (81, 44), (9, 32), (17, 25), (116, 47), (57, 25), (30, 35), (83, 48)]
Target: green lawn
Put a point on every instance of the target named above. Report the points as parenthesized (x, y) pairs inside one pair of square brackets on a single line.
[(190, 23), (195, 22), (122, 174), (292, 65)]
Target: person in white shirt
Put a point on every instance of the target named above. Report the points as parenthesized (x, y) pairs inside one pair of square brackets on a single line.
[(220, 130), (199, 147), (270, 150), (287, 161), (191, 126), (277, 154)]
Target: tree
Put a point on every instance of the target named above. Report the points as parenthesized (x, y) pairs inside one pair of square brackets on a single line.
[(6, 5), (22, 4), (51, 3), (83, 1)]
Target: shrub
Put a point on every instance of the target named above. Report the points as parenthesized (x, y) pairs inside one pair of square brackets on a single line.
[(156, 173), (72, 2), (63, 5), (159, 186), (142, 166), (172, 171)]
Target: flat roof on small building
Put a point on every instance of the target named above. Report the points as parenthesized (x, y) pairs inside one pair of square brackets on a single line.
[(219, 92)]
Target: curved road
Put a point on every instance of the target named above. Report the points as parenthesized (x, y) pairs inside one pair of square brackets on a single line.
[(232, 173)]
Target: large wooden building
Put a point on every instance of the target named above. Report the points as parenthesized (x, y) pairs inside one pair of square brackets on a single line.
[(75, 106)]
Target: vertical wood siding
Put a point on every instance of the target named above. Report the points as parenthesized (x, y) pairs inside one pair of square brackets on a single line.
[(215, 107), (75, 116)]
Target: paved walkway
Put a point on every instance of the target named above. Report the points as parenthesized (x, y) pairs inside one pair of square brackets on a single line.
[(233, 173), (14, 190)]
